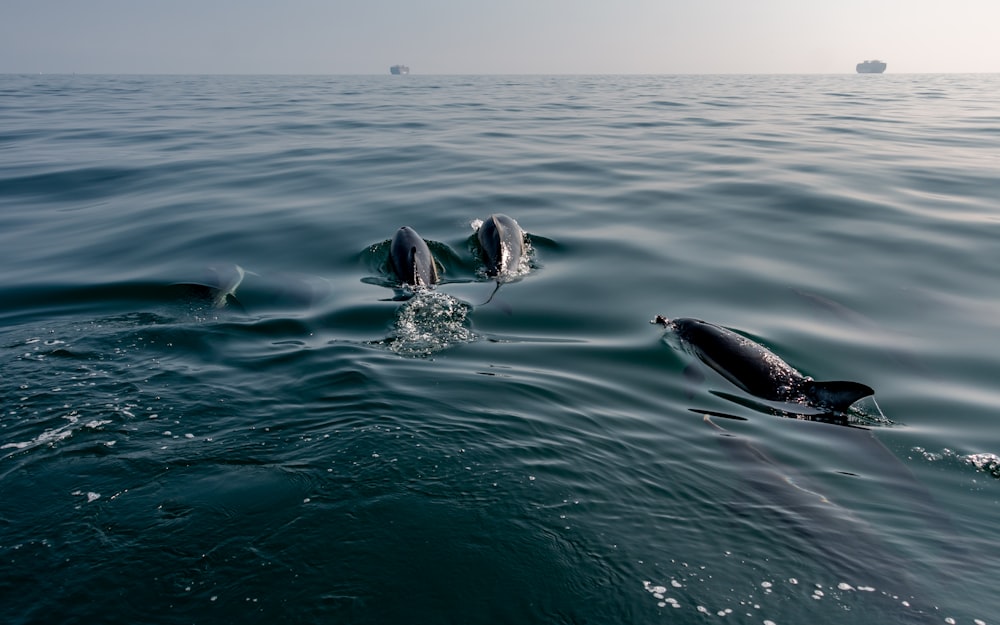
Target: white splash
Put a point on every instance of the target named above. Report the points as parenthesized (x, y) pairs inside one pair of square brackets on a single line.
[(49, 436), (429, 322), (985, 462)]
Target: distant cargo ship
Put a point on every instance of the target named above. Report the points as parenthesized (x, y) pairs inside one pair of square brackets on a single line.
[(871, 67), (396, 70)]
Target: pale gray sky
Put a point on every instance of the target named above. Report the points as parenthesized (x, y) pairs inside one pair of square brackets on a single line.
[(496, 37)]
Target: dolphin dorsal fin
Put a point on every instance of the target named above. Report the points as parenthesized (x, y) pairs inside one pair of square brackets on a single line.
[(838, 395)]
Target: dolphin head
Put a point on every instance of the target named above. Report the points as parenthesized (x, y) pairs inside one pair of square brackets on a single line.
[(502, 242), (411, 260)]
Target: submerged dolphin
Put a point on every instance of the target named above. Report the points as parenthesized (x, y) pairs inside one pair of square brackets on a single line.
[(411, 259), (757, 370), (840, 542), (502, 241)]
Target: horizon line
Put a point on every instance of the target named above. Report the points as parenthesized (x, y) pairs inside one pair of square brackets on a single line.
[(403, 77)]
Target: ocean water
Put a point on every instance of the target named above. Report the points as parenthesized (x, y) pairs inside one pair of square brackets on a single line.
[(325, 447)]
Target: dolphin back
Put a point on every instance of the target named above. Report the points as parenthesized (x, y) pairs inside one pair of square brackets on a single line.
[(837, 395), (411, 259), (757, 370), (502, 241), (746, 363)]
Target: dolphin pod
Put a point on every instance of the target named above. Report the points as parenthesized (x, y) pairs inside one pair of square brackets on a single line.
[(747, 364), (757, 370), (411, 259), (500, 238), (502, 241)]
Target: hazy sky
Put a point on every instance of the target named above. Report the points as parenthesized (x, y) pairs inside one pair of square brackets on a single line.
[(494, 37)]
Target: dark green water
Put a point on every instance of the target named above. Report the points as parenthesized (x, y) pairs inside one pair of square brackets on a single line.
[(323, 452)]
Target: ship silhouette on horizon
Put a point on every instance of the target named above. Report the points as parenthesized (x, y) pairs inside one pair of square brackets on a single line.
[(871, 67)]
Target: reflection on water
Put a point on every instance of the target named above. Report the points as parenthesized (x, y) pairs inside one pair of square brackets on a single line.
[(329, 446)]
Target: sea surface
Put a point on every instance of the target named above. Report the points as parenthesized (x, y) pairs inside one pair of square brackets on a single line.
[(313, 443)]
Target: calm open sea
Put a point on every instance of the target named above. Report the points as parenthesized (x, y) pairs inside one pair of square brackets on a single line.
[(324, 451)]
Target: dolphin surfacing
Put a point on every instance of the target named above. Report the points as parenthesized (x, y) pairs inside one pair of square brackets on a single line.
[(757, 370), (218, 286), (502, 241), (411, 259)]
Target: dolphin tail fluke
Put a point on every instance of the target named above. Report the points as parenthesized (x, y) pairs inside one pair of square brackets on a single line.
[(838, 395)]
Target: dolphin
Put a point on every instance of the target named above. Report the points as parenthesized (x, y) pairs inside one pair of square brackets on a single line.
[(502, 241), (757, 370), (219, 287), (411, 259)]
